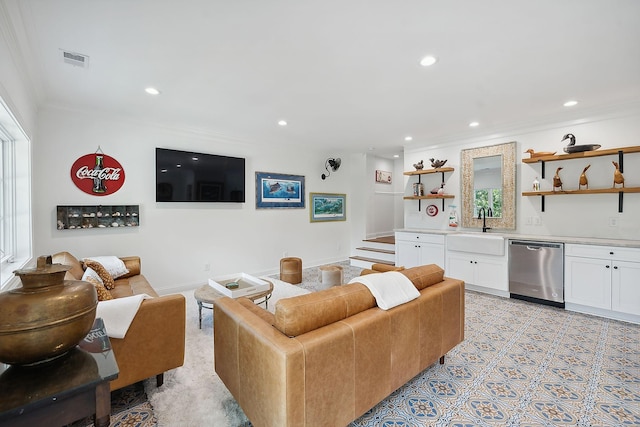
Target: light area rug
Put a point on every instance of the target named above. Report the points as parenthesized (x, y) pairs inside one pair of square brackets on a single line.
[(193, 395)]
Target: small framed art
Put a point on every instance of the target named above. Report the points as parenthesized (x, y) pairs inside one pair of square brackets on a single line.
[(328, 207), (383, 177)]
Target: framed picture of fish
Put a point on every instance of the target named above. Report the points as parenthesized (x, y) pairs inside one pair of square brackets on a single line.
[(276, 190), (328, 207)]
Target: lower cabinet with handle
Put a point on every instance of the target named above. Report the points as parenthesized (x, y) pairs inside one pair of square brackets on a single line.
[(603, 280)]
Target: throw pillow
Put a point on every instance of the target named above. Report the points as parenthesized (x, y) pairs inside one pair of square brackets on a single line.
[(114, 265), (89, 273), (103, 293), (106, 278)]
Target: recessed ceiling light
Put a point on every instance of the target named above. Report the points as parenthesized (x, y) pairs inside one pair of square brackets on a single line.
[(474, 124), (152, 91), (570, 103), (428, 61), (282, 122), (408, 138), (395, 156)]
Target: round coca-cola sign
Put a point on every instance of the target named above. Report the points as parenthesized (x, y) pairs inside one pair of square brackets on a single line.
[(97, 174)]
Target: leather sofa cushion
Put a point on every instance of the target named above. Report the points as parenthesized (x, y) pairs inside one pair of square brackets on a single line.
[(65, 258), (424, 275), (304, 313), (132, 263), (135, 285), (265, 315), (380, 268), (298, 315)]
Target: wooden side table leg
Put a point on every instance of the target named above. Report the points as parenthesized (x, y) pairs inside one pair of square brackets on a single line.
[(199, 315), (102, 417)]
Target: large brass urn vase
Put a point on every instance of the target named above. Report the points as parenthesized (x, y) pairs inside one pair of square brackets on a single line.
[(45, 317)]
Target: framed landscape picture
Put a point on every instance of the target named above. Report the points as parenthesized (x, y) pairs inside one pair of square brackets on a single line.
[(328, 207), (275, 190)]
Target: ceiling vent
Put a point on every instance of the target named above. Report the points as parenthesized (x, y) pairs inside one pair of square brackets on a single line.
[(76, 59)]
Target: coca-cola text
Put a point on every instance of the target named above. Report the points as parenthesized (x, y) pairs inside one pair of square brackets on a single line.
[(109, 174)]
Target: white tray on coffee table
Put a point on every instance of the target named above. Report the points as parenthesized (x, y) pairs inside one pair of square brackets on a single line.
[(248, 285)]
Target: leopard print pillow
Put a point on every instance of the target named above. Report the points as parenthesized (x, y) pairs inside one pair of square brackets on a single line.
[(103, 293), (106, 278)]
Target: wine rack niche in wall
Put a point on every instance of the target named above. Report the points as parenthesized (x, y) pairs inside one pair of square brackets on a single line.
[(101, 216)]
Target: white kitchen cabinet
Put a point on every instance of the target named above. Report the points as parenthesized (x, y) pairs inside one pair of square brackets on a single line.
[(490, 272), (413, 249), (625, 287), (587, 281), (603, 277)]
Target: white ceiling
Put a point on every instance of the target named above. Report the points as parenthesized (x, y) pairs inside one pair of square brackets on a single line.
[(344, 74)]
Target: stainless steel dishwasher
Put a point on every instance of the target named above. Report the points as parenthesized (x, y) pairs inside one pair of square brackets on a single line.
[(536, 271)]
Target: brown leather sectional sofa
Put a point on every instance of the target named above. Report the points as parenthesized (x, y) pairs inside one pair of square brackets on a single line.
[(327, 357), (155, 341)]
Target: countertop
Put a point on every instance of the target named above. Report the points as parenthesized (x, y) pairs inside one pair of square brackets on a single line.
[(515, 236)]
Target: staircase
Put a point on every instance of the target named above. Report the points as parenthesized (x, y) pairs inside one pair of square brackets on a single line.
[(381, 250)]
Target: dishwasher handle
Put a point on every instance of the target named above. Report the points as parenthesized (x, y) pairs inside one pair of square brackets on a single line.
[(536, 246)]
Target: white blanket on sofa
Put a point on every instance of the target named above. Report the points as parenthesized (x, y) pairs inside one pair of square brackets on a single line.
[(118, 313), (390, 289)]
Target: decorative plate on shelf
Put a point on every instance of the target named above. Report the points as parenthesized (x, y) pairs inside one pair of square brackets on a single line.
[(432, 210)]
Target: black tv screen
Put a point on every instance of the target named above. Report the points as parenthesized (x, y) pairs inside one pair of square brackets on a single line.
[(184, 176)]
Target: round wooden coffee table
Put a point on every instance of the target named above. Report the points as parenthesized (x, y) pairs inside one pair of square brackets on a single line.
[(206, 295)]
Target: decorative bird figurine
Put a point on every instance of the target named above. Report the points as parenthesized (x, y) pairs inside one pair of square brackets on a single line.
[(437, 163), (618, 178), (419, 165), (583, 178), (557, 182), (533, 154), (571, 138)]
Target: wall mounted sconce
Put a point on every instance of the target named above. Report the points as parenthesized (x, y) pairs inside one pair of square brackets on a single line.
[(331, 165)]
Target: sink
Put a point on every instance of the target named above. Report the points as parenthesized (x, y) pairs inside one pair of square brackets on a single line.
[(482, 243)]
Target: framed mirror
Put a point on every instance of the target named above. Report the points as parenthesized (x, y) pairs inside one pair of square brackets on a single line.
[(488, 178)]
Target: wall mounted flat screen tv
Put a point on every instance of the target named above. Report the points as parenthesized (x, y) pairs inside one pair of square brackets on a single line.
[(184, 176)]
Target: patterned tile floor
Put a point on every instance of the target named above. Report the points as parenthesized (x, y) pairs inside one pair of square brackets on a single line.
[(524, 364)]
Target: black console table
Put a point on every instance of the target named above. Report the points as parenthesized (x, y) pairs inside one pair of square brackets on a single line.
[(64, 390)]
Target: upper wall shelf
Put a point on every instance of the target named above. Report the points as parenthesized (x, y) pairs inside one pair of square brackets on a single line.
[(595, 191), (585, 154), (429, 196), (596, 153), (428, 171)]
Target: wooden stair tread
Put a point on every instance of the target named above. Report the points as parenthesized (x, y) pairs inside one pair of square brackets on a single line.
[(382, 251), (372, 260), (384, 239)]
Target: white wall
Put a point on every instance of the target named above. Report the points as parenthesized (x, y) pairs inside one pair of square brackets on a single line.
[(14, 87), (384, 201), (569, 215), (176, 240)]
